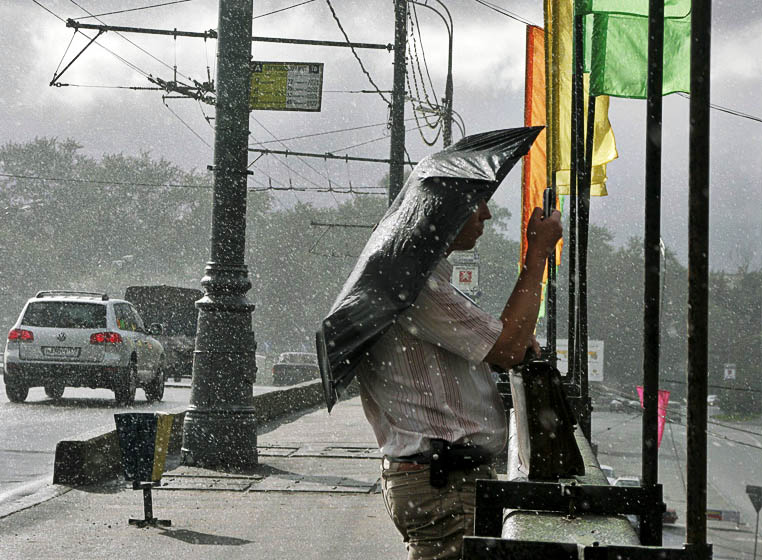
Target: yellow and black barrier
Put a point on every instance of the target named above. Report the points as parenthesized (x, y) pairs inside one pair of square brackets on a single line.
[(144, 441)]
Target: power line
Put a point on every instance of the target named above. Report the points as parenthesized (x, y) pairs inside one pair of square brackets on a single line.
[(300, 158), (423, 53), (283, 9), (196, 134), (502, 11), (174, 69), (375, 140), (100, 182), (359, 60), (724, 387), (336, 131), (713, 434), (121, 59), (133, 9), (726, 110), (49, 11)]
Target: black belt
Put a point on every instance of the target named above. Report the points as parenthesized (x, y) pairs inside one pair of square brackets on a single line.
[(445, 457)]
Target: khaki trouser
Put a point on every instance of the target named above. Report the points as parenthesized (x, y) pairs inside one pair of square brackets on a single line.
[(433, 521)]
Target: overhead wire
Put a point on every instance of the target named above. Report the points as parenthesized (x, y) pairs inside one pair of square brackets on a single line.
[(709, 432), (133, 9), (373, 140), (283, 9), (423, 53), (505, 12), (335, 131), (101, 182), (133, 43), (49, 10), (118, 57), (185, 124), (726, 109), (354, 52), (282, 143), (430, 108)]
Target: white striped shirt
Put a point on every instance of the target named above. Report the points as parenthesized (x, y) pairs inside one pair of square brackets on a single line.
[(426, 379)]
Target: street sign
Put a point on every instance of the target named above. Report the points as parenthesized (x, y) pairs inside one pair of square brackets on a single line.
[(594, 358), (731, 516), (729, 373), (286, 86), (465, 271), (755, 495)]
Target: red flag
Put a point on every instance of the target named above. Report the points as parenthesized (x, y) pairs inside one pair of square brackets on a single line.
[(534, 175), (662, 407)]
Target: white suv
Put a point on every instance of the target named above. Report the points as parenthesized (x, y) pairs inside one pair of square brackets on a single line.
[(82, 339)]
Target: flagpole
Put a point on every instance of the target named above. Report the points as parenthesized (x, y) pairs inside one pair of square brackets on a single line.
[(551, 103), (651, 525), (583, 227), (698, 270), (577, 147)]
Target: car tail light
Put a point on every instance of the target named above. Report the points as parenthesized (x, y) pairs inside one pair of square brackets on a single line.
[(21, 335), (105, 338)]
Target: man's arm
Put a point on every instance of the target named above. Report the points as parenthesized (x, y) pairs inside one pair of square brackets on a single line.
[(520, 313)]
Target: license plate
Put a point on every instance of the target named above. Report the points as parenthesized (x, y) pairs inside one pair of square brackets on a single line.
[(60, 351)]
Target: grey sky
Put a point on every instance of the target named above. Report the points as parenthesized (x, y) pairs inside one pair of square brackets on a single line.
[(488, 70)]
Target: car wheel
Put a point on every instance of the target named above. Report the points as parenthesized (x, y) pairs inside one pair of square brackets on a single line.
[(124, 391), (155, 389), (16, 392), (55, 391)]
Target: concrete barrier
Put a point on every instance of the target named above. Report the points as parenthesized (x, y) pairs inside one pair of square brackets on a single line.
[(97, 456)]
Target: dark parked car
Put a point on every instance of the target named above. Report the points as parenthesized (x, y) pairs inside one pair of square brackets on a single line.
[(174, 308), (295, 367)]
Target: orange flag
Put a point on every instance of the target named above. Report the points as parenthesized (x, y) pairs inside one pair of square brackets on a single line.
[(534, 173)]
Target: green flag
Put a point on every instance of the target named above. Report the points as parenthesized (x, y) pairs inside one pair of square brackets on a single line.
[(672, 8), (619, 54)]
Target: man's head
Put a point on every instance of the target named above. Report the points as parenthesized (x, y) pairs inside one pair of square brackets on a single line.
[(472, 229)]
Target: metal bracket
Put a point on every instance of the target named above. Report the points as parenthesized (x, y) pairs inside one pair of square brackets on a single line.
[(484, 548), (493, 496), (54, 81)]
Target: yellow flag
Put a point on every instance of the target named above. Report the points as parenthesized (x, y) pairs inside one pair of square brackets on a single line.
[(561, 24)]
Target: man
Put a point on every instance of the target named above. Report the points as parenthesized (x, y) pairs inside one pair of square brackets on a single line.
[(428, 392)]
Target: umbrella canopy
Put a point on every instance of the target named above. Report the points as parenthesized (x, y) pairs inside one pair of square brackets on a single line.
[(440, 195)]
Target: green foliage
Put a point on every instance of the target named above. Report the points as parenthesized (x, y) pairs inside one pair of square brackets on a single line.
[(735, 334), (70, 221)]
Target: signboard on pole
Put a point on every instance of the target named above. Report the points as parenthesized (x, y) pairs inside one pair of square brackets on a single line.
[(729, 372), (594, 358), (286, 86), (755, 495), (465, 272)]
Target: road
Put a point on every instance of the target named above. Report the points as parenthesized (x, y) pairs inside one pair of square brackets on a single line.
[(734, 460), (29, 431)]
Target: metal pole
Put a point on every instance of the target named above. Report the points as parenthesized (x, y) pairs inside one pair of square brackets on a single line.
[(583, 227), (447, 129), (220, 426), (651, 525), (551, 98), (397, 150), (698, 269), (212, 34), (756, 537), (577, 148)]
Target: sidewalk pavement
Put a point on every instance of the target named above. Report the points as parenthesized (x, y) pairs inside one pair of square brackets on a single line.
[(314, 495)]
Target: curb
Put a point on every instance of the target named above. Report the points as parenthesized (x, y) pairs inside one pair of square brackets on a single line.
[(99, 458)]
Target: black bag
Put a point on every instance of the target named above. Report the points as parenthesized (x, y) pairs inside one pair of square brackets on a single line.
[(545, 423)]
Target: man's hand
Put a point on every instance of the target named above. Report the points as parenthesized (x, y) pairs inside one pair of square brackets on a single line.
[(543, 233)]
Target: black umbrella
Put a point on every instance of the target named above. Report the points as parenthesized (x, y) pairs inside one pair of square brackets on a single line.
[(441, 193)]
